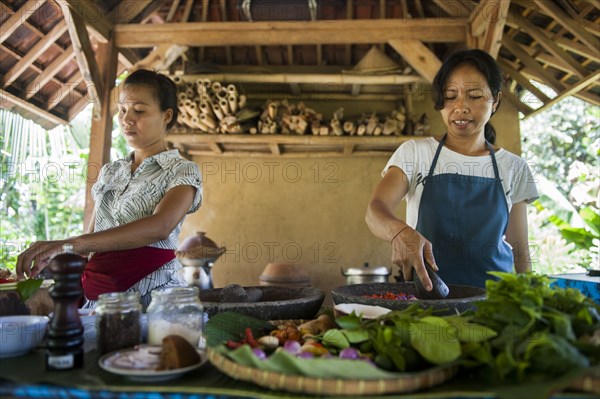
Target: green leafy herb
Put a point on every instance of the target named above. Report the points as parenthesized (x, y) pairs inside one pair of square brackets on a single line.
[(541, 329), (27, 288)]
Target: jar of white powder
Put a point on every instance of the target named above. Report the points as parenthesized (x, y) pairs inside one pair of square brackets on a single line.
[(175, 311)]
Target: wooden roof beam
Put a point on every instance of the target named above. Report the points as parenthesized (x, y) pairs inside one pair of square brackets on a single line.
[(127, 10), (453, 8), (33, 54), (7, 99), (540, 36), (419, 56), (521, 106), (101, 27), (523, 81), (18, 18), (310, 78), (290, 33), (488, 21), (68, 88), (530, 62), (568, 23), (92, 15), (84, 55), (591, 78), (52, 69)]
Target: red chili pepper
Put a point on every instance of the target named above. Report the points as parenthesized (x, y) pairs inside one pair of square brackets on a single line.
[(233, 344), (250, 338)]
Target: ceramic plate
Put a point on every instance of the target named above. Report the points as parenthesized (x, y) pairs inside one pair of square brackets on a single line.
[(139, 364)]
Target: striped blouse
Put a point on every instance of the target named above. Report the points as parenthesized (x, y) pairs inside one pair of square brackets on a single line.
[(121, 197)]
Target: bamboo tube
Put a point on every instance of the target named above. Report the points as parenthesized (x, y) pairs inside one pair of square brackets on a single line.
[(202, 93), (208, 121), (336, 127), (349, 128), (189, 93), (323, 130), (224, 106), (360, 131), (216, 87), (272, 109), (315, 127), (231, 89), (187, 120), (389, 127), (205, 108), (378, 129), (371, 125), (233, 103), (302, 124), (182, 96), (242, 101), (181, 106), (193, 109), (177, 80), (253, 130), (201, 125), (217, 110)]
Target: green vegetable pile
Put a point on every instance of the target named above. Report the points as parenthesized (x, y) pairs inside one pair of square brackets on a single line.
[(414, 339), (541, 330)]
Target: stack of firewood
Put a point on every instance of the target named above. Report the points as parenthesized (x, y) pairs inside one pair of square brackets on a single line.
[(372, 125), (281, 117), (210, 106)]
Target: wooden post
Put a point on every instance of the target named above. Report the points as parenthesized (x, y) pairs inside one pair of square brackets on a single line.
[(100, 138)]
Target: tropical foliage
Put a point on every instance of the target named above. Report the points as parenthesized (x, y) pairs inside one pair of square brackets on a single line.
[(562, 145), (42, 181)]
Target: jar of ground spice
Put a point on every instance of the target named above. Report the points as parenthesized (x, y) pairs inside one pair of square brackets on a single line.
[(118, 321), (175, 311)]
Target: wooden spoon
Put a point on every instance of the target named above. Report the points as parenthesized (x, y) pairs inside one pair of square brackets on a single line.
[(439, 291)]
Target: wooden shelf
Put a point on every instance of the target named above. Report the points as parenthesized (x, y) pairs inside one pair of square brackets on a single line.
[(289, 146)]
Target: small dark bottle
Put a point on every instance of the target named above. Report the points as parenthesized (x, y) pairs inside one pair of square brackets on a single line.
[(64, 349)]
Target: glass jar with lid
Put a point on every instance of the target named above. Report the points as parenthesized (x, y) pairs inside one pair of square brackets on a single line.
[(118, 321), (175, 311)]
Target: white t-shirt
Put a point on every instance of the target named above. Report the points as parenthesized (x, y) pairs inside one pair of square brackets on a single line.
[(415, 157)]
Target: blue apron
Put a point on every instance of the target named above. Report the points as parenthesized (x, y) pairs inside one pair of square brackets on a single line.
[(465, 218)]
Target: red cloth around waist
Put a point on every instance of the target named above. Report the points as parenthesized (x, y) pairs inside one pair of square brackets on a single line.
[(117, 271)]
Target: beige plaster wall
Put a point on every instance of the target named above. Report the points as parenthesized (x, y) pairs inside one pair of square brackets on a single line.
[(302, 210)]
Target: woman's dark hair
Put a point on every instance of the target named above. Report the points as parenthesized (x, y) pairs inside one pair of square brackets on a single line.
[(485, 64), (164, 88)]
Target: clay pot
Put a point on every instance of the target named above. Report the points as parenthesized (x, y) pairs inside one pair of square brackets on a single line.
[(284, 274), (198, 250)]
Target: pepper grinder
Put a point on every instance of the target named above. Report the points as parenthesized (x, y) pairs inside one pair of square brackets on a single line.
[(64, 349)]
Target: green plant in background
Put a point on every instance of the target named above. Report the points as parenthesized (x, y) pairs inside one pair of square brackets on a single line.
[(43, 180), (562, 145)]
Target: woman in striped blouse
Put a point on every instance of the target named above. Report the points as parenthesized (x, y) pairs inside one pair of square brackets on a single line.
[(140, 202)]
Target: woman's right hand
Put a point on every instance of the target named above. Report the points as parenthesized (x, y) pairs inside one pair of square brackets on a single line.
[(410, 250)]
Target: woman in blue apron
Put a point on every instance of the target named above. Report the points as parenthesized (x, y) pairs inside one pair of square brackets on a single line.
[(466, 198)]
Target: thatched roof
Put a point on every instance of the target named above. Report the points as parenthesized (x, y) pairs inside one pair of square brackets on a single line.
[(51, 67)]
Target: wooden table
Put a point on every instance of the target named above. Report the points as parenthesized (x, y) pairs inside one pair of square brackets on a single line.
[(26, 376)]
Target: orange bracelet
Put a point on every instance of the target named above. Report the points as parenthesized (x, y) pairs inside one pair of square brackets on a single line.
[(398, 233)]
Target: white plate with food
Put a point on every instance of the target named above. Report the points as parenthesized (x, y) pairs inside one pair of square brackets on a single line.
[(144, 363)]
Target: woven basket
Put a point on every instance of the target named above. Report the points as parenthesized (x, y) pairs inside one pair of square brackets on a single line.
[(405, 382)]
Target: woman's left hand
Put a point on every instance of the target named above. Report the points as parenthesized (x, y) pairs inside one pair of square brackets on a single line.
[(37, 257)]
